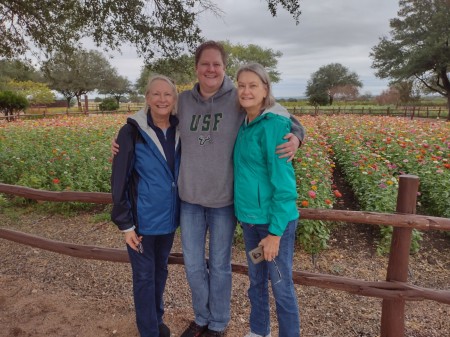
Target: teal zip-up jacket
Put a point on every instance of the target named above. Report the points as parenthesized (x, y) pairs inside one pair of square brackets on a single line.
[(264, 185)]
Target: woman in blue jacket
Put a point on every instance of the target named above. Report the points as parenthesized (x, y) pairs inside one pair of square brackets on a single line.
[(145, 199), (265, 203)]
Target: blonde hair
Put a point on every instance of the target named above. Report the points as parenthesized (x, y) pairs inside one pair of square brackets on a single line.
[(263, 75), (172, 85)]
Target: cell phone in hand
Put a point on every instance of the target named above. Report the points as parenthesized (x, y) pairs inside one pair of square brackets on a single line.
[(256, 254), (140, 248)]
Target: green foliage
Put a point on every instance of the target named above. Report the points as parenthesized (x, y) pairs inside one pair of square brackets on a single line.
[(73, 154), (418, 46), (180, 69), (77, 73), (109, 104), (59, 154), (103, 216), (239, 54), (313, 236), (36, 93), (324, 82), (18, 70), (156, 27), (11, 102), (313, 169), (115, 85)]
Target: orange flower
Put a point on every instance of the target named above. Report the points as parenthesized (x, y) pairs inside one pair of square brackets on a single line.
[(337, 194), (328, 201), (305, 203)]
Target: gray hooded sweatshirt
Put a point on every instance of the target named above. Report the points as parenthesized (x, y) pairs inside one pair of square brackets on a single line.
[(208, 130)]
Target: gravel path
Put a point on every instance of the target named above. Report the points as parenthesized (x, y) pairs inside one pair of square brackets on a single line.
[(47, 294)]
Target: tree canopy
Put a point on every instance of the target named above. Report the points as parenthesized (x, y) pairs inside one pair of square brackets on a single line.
[(75, 74), (116, 86), (239, 54), (329, 81), (17, 70), (181, 68), (36, 93), (418, 46), (11, 102), (155, 28)]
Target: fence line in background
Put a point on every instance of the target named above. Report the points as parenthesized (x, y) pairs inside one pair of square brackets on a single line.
[(406, 111)]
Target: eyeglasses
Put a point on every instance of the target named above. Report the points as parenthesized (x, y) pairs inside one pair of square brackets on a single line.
[(278, 272)]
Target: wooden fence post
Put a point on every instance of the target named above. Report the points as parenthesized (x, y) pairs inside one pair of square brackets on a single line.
[(393, 311)]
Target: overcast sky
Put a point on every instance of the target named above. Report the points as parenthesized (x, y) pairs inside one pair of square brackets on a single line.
[(330, 31)]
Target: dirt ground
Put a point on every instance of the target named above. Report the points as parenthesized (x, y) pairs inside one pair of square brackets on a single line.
[(47, 294)]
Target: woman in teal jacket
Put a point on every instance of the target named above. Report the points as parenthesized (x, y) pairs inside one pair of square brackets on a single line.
[(265, 203)]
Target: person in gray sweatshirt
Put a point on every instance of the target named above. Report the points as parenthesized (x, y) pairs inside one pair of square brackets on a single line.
[(210, 118)]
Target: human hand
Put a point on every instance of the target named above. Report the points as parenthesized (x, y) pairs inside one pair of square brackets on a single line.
[(288, 149), (133, 240), (271, 245), (114, 147)]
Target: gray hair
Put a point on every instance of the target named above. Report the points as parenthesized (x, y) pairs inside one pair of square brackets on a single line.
[(172, 85), (263, 75)]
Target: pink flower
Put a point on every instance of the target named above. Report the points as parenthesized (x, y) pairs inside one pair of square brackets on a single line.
[(312, 194)]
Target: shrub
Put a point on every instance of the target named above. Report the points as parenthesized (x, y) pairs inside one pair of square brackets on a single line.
[(109, 104), (11, 102)]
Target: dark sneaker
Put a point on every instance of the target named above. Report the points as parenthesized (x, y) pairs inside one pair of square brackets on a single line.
[(212, 333), (164, 330), (194, 330)]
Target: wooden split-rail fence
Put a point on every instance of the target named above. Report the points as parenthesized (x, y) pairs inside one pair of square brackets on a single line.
[(393, 292)]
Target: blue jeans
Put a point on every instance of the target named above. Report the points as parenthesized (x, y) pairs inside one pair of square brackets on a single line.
[(210, 284), (149, 280), (280, 273)]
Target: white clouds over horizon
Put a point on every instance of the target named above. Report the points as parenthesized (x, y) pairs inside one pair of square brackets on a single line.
[(330, 31)]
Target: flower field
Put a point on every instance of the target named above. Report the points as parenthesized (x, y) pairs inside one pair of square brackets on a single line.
[(73, 153), (68, 153)]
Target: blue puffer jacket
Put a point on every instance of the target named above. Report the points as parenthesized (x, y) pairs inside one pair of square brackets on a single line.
[(144, 189)]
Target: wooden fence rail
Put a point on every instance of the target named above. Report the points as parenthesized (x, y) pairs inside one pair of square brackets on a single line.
[(406, 111), (394, 291)]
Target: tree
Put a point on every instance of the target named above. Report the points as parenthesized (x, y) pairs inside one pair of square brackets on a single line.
[(11, 102), (418, 46), (116, 86), (36, 93), (19, 71), (389, 96), (75, 74), (109, 104), (239, 54), (181, 68), (326, 82), (157, 27), (407, 90), (346, 92)]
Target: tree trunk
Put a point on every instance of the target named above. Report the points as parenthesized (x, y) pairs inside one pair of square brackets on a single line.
[(79, 102)]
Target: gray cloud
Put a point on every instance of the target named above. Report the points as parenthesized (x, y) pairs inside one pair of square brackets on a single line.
[(329, 31), (342, 31)]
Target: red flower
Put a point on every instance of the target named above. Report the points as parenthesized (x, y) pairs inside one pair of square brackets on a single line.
[(328, 201), (55, 181), (337, 194)]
